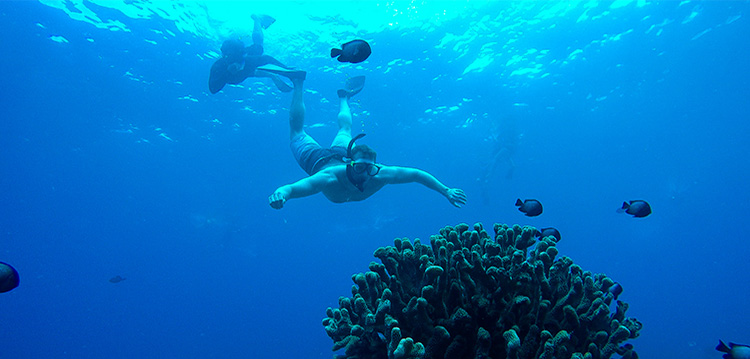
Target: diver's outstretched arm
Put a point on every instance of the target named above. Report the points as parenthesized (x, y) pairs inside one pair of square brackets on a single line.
[(305, 187), (397, 175)]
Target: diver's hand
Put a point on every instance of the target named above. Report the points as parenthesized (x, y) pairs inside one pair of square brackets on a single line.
[(456, 196), (276, 200)]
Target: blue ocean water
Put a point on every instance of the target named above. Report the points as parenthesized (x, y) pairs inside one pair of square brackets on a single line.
[(116, 160)]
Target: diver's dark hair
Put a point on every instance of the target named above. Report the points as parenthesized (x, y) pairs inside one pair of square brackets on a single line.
[(364, 151)]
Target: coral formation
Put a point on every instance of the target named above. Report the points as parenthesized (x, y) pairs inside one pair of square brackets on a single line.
[(468, 296)]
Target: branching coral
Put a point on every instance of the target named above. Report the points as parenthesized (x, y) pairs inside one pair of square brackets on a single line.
[(468, 296)]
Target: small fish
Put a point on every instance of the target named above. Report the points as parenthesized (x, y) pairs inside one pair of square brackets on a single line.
[(549, 232), (616, 290), (354, 51), (116, 279), (530, 207), (638, 208), (8, 277), (734, 351)]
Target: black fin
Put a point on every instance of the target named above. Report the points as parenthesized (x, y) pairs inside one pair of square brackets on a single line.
[(624, 208), (354, 85), (266, 21)]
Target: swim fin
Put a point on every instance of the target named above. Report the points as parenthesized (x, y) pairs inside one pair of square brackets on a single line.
[(352, 87), (265, 20), (280, 84), (289, 73)]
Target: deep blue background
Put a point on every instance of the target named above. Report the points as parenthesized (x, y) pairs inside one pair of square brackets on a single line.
[(89, 190)]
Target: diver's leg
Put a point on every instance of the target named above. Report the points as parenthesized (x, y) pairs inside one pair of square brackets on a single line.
[(257, 31), (345, 123), (305, 149), (297, 109)]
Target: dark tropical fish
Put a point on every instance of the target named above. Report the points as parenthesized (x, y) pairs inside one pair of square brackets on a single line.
[(616, 290), (8, 277), (354, 51), (734, 351), (116, 279), (550, 232), (530, 207), (637, 208)]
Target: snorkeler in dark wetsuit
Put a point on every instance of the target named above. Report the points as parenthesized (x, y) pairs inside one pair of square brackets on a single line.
[(239, 62)]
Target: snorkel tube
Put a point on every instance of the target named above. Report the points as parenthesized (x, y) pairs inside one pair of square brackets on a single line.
[(349, 169)]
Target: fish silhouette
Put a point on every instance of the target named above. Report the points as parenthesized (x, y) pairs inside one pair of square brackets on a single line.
[(354, 51), (733, 350), (116, 279), (8, 277), (549, 232), (616, 290), (529, 207), (638, 208)]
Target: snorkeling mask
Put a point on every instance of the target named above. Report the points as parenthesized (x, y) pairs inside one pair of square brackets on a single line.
[(352, 167)]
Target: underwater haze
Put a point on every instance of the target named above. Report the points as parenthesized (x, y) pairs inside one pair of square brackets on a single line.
[(135, 202)]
